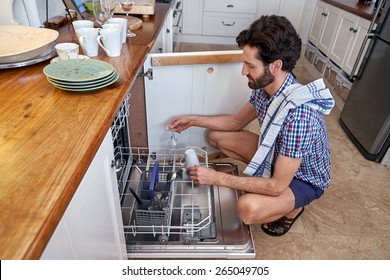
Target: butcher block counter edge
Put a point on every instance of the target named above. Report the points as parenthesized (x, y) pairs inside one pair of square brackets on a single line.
[(48, 138)]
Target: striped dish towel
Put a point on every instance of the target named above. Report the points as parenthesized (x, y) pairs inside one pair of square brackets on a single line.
[(313, 94)]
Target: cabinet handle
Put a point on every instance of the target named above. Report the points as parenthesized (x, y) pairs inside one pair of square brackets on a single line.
[(228, 24), (353, 30), (324, 14), (230, 6)]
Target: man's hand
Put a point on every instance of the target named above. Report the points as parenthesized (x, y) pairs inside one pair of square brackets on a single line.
[(203, 175), (179, 124)]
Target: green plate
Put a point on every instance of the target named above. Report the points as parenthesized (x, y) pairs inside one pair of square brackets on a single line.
[(78, 70), (84, 83), (88, 87)]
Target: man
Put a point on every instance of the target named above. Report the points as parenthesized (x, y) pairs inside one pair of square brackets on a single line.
[(289, 163)]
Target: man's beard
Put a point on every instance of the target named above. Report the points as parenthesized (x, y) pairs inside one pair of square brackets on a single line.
[(263, 81)]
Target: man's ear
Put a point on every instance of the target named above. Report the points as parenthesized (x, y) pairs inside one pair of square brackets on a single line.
[(276, 66)]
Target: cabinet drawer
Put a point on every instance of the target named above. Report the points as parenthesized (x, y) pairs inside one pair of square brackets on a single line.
[(233, 6), (223, 24)]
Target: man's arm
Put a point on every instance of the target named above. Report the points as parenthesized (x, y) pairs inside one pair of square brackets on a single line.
[(235, 122), (284, 171)]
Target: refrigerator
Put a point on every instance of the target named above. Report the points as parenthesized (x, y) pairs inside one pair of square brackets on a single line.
[(366, 114)]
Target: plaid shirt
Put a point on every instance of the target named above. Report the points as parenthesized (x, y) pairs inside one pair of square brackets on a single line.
[(302, 135)]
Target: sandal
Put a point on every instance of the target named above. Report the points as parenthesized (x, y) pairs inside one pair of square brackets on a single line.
[(281, 226)]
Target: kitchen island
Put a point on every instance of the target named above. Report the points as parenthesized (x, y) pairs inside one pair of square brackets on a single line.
[(48, 138)]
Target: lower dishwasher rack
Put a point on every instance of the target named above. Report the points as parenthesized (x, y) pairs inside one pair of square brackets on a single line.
[(167, 208), (189, 220)]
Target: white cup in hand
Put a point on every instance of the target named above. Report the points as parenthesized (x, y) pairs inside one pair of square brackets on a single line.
[(191, 158)]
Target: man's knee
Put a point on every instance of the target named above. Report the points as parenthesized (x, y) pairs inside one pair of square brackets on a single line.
[(213, 137), (249, 211)]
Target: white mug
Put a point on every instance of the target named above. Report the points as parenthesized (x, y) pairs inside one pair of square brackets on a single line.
[(110, 41), (113, 25), (123, 23), (87, 37), (67, 51), (82, 23), (191, 158)]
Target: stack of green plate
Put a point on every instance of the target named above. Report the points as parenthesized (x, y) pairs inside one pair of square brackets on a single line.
[(80, 74)]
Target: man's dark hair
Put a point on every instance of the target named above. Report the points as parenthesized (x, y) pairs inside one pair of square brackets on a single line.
[(275, 38)]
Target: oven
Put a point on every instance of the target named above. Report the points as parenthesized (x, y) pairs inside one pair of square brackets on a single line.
[(166, 215)]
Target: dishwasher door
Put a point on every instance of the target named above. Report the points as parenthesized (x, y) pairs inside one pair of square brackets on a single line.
[(199, 222)]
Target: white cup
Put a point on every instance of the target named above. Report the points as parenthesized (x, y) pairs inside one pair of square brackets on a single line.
[(82, 23), (67, 51), (191, 158), (110, 41), (87, 37), (113, 25), (123, 23)]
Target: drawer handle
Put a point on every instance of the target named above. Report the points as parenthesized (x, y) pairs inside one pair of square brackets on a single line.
[(230, 6), (228, 24)]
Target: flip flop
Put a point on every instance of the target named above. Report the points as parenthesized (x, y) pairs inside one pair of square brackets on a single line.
[(281, 226)]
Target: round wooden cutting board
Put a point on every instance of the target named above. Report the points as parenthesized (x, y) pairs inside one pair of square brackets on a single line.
[(134, 23)]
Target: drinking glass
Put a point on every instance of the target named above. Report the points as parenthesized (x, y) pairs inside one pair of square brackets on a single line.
[(111, 4), (126, 6), (101, 11)]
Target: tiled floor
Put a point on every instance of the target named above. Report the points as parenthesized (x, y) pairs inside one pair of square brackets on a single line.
[(351, 221)]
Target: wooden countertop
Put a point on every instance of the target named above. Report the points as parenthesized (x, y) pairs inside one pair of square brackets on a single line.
[(354, 7), (48, 137)]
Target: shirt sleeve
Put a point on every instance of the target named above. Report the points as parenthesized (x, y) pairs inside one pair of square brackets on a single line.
[(295, 138)]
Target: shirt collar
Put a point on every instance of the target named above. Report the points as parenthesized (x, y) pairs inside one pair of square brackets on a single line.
[(287, 82)]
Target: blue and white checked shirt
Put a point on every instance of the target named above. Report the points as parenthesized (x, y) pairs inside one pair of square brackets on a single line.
[(302, 135)]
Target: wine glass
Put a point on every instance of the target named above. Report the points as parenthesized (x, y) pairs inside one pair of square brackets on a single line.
[(126, 6), (101, 11), (110, 5)]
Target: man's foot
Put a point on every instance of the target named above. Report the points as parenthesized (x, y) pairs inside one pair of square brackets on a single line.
[(281, 226)]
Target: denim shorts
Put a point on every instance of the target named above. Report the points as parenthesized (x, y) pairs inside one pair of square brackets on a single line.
[(304, 192)]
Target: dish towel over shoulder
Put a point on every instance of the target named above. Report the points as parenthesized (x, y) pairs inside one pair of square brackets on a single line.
[(313, 94)]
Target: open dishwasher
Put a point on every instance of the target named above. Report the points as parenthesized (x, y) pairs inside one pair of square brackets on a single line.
[(166, 215)]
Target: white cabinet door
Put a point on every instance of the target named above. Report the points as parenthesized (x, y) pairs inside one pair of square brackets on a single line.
[(197, 89), (164, 41), (358, 34), (318, 22), (342, 37), (91, 227), (327, 34), (292, 10), (192, 17)]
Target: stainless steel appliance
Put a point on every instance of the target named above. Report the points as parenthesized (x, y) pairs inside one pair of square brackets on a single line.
[(174, 218), (366, 113)]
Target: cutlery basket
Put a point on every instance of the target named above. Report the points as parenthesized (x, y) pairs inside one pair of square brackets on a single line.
[(148, 214)]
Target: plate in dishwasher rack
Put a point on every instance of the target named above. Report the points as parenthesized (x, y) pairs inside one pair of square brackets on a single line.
[(78, 70)]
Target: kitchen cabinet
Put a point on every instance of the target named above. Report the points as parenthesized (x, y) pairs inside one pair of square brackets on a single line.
[(338, 34), (323, 26), (220, 21), (347, 41), (216, 22), (203, 86), (164, 41), (192, 17), (293, 10), (91, 227)]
